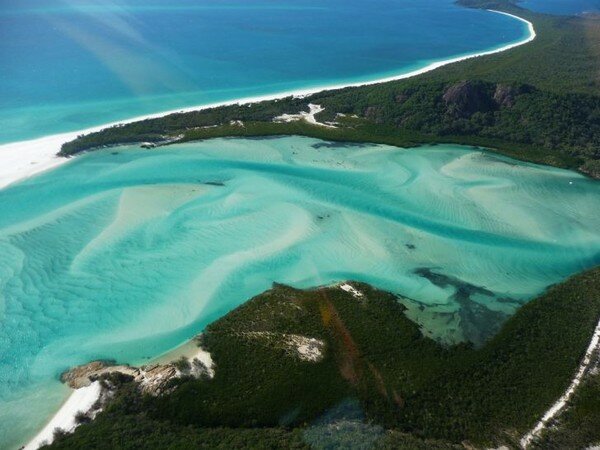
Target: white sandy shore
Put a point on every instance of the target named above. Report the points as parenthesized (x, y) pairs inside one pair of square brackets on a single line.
[(189, 350), (564, 399), (81, 400), (20, 160)]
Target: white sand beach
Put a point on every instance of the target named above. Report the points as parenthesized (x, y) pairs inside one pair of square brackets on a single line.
[(81, 400), (21, 160), (559, 406)]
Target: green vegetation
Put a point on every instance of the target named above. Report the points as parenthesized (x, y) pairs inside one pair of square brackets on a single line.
[(539, 102), (563, 58), (378, 372), (579, 426)]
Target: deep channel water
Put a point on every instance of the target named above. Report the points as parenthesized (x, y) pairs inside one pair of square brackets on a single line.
[(126, 253)]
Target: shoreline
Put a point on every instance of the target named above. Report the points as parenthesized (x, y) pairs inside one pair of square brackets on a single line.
[(79, 401), (82, 399), (563, 401), (23, 159)]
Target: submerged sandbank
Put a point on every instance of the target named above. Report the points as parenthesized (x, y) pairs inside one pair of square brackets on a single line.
[(23, 159)]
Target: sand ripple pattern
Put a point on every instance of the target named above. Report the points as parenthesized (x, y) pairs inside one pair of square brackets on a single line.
[(125, 253)]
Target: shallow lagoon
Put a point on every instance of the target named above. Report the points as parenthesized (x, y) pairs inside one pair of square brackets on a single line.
[(126, 253)]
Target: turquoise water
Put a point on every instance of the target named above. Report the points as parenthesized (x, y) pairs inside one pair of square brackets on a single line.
[(126, 253), (69, 64)]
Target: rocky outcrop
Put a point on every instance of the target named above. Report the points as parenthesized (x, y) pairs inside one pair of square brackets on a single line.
[(505, 95), (153, 379), (79, 376), (466, 98)]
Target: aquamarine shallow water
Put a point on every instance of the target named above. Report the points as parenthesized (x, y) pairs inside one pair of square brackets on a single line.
[(126, 253), (66, 65)]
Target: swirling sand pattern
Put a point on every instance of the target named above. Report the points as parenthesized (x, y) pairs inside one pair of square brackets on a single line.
[(125, 253)]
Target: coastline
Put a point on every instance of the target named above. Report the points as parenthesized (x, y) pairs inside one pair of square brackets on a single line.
[(79, 401), (24, 159), (558, 407), (88, 399)]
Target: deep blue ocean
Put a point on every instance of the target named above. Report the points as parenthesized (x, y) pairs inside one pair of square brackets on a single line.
[(69, 64)]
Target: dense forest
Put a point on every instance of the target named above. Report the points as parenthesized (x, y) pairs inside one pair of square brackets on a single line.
[(380, 379)]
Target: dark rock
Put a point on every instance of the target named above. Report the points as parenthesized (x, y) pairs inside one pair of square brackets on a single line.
[(505, 95), (466, 98)]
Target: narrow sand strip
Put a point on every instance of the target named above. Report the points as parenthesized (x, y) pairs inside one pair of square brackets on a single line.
[(20, 160), (560, 404), (81, 400)]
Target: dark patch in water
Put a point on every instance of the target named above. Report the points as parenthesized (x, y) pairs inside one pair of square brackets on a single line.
[(509, 301), (214, 183), (340, 145), (270, 137), (477, 321), (410, 246), (114, 153), (463, 289)]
